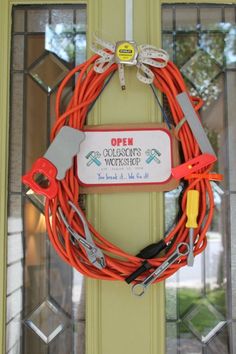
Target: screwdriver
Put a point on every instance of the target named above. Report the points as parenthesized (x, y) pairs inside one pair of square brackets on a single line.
[(192, 214)]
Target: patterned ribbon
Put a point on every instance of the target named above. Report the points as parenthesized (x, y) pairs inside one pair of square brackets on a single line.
[(148, 55)]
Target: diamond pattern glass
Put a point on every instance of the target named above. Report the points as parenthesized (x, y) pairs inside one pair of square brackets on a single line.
[(35, 48), (186, 46), (190, 285), (37, 20), (213, 44), (219, 344), (201, 69), (211, 93), (171, 298), (167, 44), (67, 41), (188, 343), (16, 130), (49, 72), (171, 333), (204, 320), (38, 282), (230, 47), (47, 321), (210, 18), (199, 315), (186, 18), (37, 199)]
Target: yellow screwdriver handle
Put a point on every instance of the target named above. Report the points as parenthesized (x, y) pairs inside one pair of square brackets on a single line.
[(192, 208)]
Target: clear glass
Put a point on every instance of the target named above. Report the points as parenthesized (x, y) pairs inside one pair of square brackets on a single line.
[(49, 72), (47, 321), (45, 297)]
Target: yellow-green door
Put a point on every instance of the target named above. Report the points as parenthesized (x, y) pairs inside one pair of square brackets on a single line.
[(115, 320), (34, 283)]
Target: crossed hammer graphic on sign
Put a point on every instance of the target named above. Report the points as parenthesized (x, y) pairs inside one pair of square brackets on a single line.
[(93, 157), (152, 156)]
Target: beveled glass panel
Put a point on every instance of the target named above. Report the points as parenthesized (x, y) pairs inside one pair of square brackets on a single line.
[(186, 18), (188, 343), (219, 344), (78, 297), (67, 41), (80, 48), (171, 297), (190, 285), (13, 335), (36, 277), (47, 321), (233, 328), (167, 44), (215, 267), (171, 335), (231, 107), (38, 200), (35, 48), (230, 47), (80, 338), (32, 340), (14, 214), (37, 20), (14, 277), (186, 46), (167, 19), (210, 17), (49, 72), (172, 206), (16, 131), (65, 99), (60, 274), (233, 253), (204, 320), (230, 15), (62, 16), (36, 122), (211, 95), (81, 18), (63, 343), (14, 304), (199, 299), (14, 248), (18, 52), (214, 43), (35, 274), (19, 21), (200, 70)]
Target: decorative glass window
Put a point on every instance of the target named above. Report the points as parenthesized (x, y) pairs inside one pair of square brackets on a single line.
[(45, 297), (201, 301)]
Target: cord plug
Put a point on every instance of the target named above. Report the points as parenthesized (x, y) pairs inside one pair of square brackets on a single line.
[(152, 250), (145, 266)]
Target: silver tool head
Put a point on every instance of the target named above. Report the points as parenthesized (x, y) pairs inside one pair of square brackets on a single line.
[(195, 124), (94, 253), (63, 148)]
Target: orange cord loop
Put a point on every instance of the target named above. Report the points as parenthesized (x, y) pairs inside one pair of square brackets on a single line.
[(119, 264)]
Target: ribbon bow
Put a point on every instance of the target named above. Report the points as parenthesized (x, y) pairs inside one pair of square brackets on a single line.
[(147, 55)]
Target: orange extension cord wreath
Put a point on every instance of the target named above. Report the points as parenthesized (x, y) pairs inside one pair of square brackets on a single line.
[(119, 264)]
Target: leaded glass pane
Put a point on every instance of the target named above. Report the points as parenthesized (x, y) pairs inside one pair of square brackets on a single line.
[(45, 297), (201, 41)]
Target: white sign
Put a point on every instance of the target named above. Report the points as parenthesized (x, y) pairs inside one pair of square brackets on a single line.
[(125, 157)]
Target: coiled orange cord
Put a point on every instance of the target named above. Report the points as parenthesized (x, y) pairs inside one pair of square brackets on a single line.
[(120, 264)]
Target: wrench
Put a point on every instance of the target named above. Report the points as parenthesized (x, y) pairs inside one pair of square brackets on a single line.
[(140, 288)]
